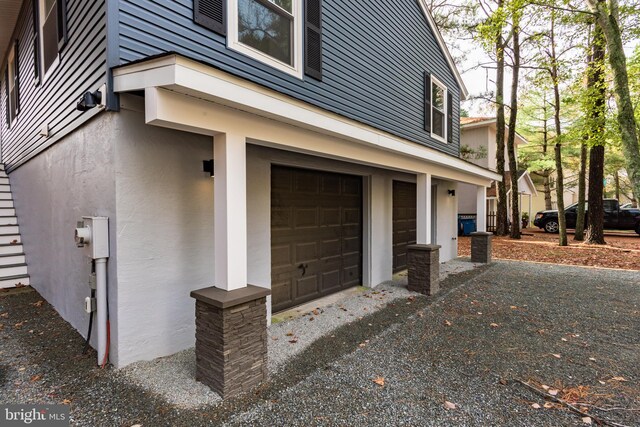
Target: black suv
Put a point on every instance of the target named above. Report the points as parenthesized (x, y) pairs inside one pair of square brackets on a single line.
[(615, 217)]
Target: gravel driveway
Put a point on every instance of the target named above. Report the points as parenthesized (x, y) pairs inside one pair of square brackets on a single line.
[(573, 331)]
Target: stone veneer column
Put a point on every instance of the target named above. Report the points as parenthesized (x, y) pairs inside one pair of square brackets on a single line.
[(231, 338), (481, 247), (424, 268)]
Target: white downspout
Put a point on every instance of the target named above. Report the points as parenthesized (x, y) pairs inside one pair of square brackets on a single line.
[(101, 306)]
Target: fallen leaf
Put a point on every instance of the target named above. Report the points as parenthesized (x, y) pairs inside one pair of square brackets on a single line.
[(553, 392), (513, 307), (289, 334), (293, 341), (137, 425), (621, 379), (5, 315), (479, 312), (535, 406), (316, 312), (361, 345), (18, 325), (448, 405), (556, 355), (586, 420), (602, 382), (311, 319), (22, 369), (66, 402), (593, 359), (548, 405), (411, 298), (38, 303), (564, 339), (35, 378), (446, 322), (494, 325), (546, 387), (379, 381)]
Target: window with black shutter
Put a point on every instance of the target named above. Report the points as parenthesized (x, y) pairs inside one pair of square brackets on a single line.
[(52, 30), (449, 117), (269, 31), (437, 108)]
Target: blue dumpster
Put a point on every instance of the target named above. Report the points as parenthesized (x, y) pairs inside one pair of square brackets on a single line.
[(466, 225)]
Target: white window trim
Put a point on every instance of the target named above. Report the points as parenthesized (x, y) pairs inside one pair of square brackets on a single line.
[(298, 28), (445, 121), (45, 74)]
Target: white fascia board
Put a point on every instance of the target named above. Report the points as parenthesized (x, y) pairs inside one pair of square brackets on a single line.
[(192, 78), (445, 50)]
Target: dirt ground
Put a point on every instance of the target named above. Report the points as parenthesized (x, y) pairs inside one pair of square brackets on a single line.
[(621, 251)]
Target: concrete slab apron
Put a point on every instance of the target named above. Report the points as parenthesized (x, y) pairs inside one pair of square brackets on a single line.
[(173, 377)]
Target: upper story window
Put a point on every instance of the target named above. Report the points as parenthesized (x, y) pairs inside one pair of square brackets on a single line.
[(11, 76), (52, 26), (438, 109), (269, 31)]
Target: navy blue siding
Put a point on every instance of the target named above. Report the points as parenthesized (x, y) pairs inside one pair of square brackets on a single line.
[(375, 53), (82, 67)]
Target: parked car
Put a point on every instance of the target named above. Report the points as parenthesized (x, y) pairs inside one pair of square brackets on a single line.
[(615, 217), (627, 206)]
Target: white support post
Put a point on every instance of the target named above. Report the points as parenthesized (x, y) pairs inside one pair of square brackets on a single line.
[(481, 208), (423, 216), (230, 211)]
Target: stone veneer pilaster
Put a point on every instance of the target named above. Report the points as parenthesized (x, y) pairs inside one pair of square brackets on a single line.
[(231, 338), (424, 268), (481, 247)]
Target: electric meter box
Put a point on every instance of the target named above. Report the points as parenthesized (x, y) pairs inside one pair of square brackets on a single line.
[(92, 234)]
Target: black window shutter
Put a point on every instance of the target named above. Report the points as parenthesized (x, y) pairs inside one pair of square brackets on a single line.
[(36, 44), (449, 117), (211, 14), (16, 70), (313, 38), (427, 102), (62, 24)]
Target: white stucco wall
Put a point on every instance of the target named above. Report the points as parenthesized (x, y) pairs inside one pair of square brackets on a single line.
[(164, 206), (73, 178), (467, 197)]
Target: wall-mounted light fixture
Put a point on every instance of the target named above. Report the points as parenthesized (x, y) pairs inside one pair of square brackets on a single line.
[(207, 166), (452, 193), (89, 100)]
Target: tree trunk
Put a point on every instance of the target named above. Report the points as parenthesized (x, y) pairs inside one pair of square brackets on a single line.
[(562, 223), (547, 191), (547, 174), (511, 139), (501, 214), (607, 17), (595, 230), (580, 220), (596, 129)]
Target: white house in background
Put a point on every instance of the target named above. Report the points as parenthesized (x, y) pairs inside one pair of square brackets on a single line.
[(331, 151), (478, 137)]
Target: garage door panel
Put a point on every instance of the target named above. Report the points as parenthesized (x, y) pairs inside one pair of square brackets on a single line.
[(404, 221), (316, 234)]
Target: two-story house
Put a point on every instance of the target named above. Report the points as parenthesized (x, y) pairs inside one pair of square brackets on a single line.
[(478, 141), (333, 128)]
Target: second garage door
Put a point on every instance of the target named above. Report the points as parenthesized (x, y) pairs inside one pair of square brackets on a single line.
[(316, 234), (404, 222)]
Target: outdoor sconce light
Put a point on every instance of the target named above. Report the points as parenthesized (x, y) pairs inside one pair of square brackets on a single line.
[(207, 166), (452, 193), (89, 100)]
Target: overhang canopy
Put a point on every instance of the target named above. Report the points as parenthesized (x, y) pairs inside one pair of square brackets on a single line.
[(161, 76)]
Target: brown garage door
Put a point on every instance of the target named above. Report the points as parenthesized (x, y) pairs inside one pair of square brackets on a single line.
[(316, 234), (404, 222)]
